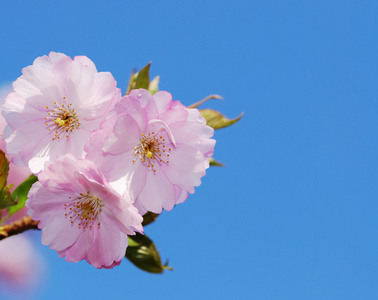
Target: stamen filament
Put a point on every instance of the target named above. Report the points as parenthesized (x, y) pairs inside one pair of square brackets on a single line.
[(148, 150), (62, 120)]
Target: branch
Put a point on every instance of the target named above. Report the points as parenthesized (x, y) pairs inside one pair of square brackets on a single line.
[(214, 96), (17, 227), (27, 223)]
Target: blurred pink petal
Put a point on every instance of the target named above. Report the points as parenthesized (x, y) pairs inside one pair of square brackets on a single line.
[(20, 265)]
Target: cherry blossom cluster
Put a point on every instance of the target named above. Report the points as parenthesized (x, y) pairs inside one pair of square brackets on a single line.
[(102, 160)]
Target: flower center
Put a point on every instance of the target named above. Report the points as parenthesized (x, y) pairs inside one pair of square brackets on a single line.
[(153, 148), (61, 120), (83, 210)]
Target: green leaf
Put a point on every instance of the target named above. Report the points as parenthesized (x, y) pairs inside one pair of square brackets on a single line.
[(132, 80), (5, 194), (132, 243), (216, 120), (20, 194), (149, 217), (143, 78), (6, 199), (4, 169), (154, 85), (143, 254), (215, 163)]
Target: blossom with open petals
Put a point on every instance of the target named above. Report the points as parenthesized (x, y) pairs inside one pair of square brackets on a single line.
[(81, 215), (56, 104), (155, 149)]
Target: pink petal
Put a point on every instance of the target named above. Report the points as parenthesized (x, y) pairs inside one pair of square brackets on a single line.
[(181, 196), (133, 107), (85, 61), (22, 138), (176, 112), (58, 231), (158, 125), (125, 136), (77, 140), (157, 191), (146, 101), (80, 248), (39, 87), (47, 62), (132, 181), (100, 254), (186, 167), (129, 220), (79, 82), (45, 152), (43, 202), (98, 136), (195, 135), (162, 101)]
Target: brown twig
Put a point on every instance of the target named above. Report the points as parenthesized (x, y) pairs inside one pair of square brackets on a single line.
[(214, 96), (27, 223), (17, 227)]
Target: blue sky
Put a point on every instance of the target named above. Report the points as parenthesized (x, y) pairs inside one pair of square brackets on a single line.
[(293, 215)]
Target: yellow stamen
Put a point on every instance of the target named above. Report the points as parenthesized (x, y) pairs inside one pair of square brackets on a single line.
[(59, 121)]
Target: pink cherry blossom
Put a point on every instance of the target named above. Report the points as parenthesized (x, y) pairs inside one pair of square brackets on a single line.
[(80, 215), (56, 104), (155, 149)]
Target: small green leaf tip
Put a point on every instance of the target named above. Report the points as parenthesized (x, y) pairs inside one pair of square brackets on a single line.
[(6, 199), (5, 194), (216, 120), (154, 85), (141, 80), (144, 255), (4, 169), (215, 163)]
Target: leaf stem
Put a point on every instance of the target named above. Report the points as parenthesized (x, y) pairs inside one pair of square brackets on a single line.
[(214, 96), (17, 227)]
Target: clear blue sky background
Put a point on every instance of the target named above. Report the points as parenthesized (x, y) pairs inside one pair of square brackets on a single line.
[(293, 215)]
